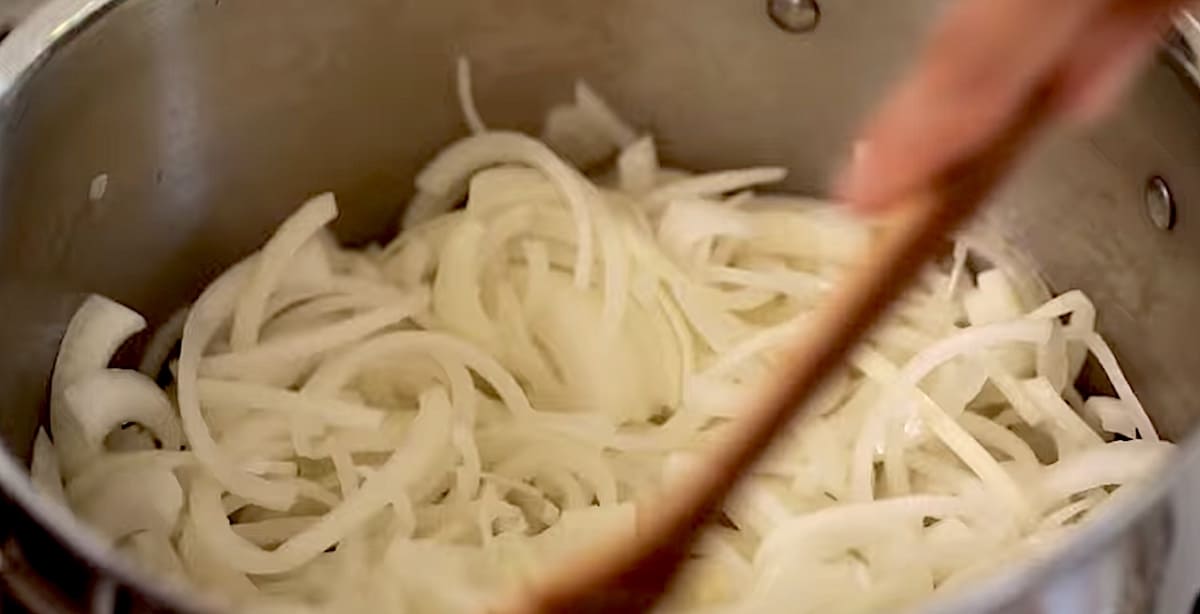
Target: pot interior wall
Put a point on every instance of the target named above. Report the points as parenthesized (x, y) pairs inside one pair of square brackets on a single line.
[(213, 119)]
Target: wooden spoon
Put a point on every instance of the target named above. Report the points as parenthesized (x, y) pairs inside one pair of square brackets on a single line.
[(630, 576)]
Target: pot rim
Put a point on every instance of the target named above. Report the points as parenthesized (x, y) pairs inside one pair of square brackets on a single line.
[(57, 22)]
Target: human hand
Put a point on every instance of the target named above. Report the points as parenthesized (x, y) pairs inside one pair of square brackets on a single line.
[(983, 61)]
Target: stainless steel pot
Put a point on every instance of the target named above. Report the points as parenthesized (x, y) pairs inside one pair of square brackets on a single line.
[(213, 118)]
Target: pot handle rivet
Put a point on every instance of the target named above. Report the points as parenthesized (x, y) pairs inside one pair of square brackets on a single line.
[(798, 16), (1160, 204)]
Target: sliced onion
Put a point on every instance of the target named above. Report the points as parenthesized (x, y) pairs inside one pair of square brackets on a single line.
[(241, 396), (620, 133), (423, 426), (211, 311), (637, 166), (156, 552), (271, 266), (716, 184), (445, 178), (44, 471), (107, 399), (430, 432), (1112, 415), (574, 134), (283, 360), (1108, 361), (95, 332), (138, 498), (1112, 464), (466, 97)]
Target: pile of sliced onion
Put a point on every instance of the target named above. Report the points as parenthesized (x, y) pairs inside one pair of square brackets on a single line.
[(421, 426)]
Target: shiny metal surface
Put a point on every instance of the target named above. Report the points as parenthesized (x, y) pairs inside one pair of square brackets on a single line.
[(13, 11), (213, 118), (1160, 203), (797, 16)]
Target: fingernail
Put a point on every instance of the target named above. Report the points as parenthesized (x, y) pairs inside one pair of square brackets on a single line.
[(855, 186)]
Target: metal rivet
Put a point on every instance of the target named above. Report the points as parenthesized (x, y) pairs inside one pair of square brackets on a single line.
[(1160, 204), (795, 15)]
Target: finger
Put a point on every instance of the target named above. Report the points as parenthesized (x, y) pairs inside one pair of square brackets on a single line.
[(983, 59), (1104, 63)]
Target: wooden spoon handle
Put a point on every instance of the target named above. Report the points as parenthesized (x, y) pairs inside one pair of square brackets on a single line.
[(629, 577)]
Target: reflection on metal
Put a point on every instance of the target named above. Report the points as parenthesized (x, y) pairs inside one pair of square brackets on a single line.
[(1160, 204), (35, 36), (797, 16), (1182, 43)]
